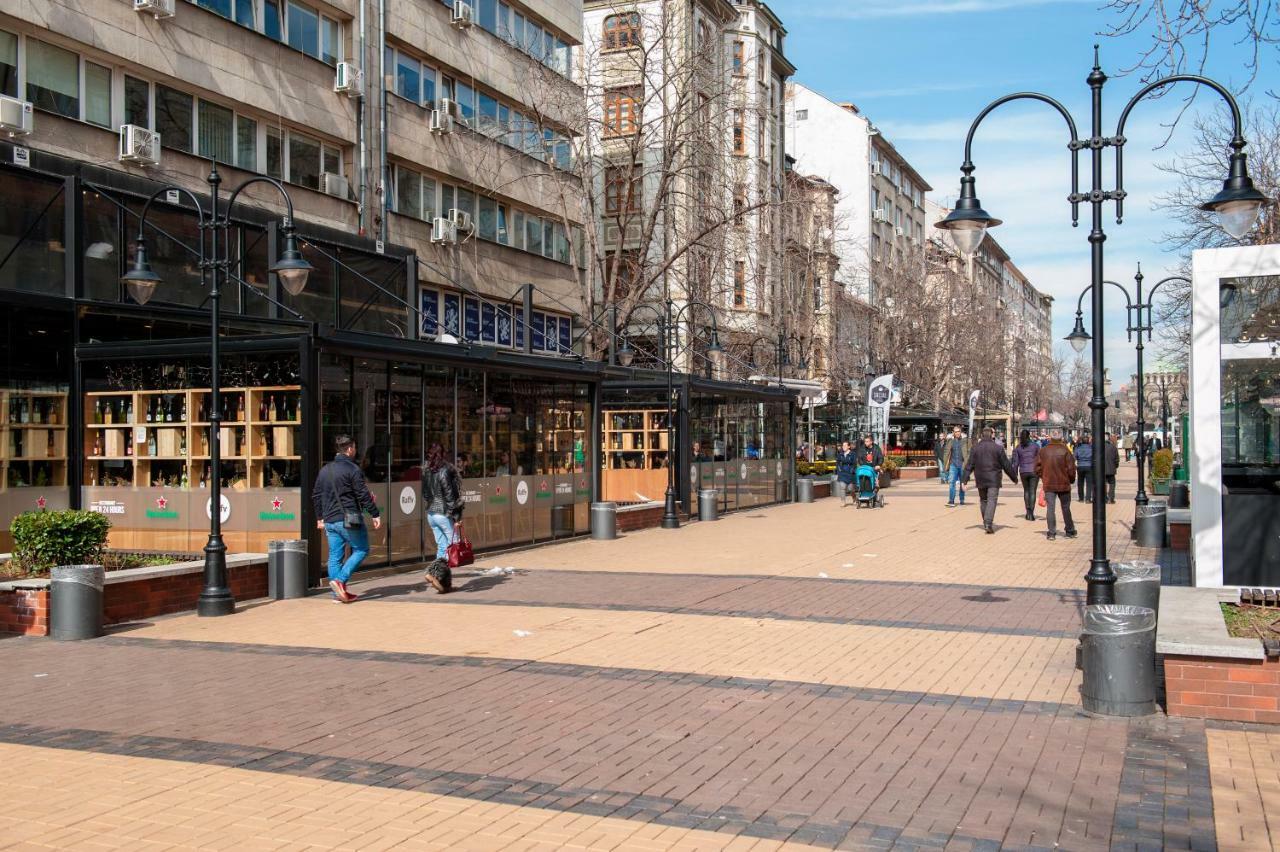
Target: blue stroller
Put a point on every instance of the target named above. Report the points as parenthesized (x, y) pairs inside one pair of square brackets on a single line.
[(868, 486)]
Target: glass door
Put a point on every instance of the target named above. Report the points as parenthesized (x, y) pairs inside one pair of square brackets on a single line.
[(407, 452)]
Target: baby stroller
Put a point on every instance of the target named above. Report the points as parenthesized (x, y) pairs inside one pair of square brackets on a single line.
[(867, 482)]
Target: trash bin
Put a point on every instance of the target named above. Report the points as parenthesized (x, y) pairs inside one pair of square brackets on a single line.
[(561, 521), (286, 569), (75, 601), (604, 521), (1149, 525), (804, 490), (708, 504), (1119, 660), (1179, 494), (1138, 584), (839, 489)]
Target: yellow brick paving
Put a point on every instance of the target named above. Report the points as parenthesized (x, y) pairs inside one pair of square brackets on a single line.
[(77, 800), (1244, 767)]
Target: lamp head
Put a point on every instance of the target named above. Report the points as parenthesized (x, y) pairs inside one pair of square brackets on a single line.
[(1238, 203), (140, 278), (291, 268), (626, 355), (1078, 338), (968, 222), (1226, 294)]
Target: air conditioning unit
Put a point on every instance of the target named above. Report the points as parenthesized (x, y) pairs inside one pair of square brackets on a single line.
[(443, 231), (461, 15), (157, 8), (449, 108), (461, 220), (347, 79), (16, 116), (876, 168), (898, 231), (139, 145), (335, 185), (879, 215), (441, 121)]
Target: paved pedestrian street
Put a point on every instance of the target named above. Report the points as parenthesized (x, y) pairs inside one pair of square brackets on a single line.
[(796, 676)]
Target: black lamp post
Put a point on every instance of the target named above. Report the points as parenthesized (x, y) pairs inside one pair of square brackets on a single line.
[(1138, 314), (292, 270), (1236, 205)]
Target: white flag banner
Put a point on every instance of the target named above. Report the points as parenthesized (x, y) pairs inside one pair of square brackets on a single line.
[(973, 407), (879, 401)]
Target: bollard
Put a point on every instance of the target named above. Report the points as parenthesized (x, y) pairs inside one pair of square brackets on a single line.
[(1119, 660), (75, 601), (708, 504), (292, 560), (804, 490), (604, 521)]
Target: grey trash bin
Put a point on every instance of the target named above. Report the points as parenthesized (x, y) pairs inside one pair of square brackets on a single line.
[(708, 504), (286, 569), (1149, 525), (75, 601), (604, 521), (1119, 660), (1179, 495), (1138, 584), (804, 490)]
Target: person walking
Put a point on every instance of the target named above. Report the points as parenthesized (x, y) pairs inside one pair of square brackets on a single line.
[(955, 454), (1056, 467), (341, 498), (1024, 459), (1084, 467), (442, 494), (986, 462), (846, 465), (1111, 463), (938, 444)]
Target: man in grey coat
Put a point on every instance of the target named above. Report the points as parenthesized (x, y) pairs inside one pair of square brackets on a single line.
[(986, 462)]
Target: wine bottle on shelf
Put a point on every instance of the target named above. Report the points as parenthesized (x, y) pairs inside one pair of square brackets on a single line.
[(167, 402), (271, 412), (97, 443), (50, 448), (128, 412), (128, 444), (151, 445), (108, 416), (183, 483), (182, 442), (262, 408), (53, 413), (35, 411), (151, 409), (240, 410), (204, 442)]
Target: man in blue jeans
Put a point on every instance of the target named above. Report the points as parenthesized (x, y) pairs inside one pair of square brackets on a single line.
[(341, 497), (955, 453)]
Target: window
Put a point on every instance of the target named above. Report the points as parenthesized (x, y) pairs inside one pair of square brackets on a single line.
[(428, 87), (8, 64), (303, 29), (623, 269), (762, 137), (174, 111), (488, 109), (408, 77), (818, 293), (408, 193), (275, 152), (533, 234), (622, 189), (216, 132), (97, 94), (487, 14), (739, 284), (466, 98), (739, 132), (739, 202), (761, 58), (802, 115), (487, 219), (622, 31), (137, 102), (53, 79), (622, 111), (739, 57), (247, 143), (272, 20)]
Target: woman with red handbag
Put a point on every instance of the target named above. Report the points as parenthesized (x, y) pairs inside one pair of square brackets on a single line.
[(442, 494)]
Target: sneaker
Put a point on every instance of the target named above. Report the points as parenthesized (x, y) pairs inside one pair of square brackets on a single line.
[(951, 505), (1052, 536), (990, 531), (340, 592), (1071, 534)]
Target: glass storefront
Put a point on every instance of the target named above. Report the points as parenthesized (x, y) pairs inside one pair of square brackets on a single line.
[(741, 448)]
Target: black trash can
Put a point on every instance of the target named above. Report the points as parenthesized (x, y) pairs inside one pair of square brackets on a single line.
[(804, 490), (561, 521), (1119, 660), (604, 521), (1138, 584), (1149, 525), (75, 601), (1179, 494), (708, 504)]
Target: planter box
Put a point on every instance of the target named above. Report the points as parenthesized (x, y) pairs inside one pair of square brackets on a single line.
[(910, 473), (885, 479), (1160, 487)]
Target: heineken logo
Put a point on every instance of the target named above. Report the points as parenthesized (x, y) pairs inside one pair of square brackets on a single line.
[(41, 502), (277, 512), (162, 509)]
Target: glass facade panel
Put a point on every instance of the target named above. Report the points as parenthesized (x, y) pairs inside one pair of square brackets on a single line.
[(32, 234), (304, 29), (53, 79), (216, 132), (137, 102), (97, 94), (8, 64), (174, 111), (304, 161), (247, 143), (363, 306)]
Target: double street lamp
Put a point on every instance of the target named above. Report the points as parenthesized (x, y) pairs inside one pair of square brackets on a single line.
[(1236, 206), (668, 327), (290, 268)]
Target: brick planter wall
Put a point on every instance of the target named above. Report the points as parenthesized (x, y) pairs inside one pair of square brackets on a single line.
[(1180, 537), (821, 489), (908, 473), (24, 611), (1223, 688), (639, 518)]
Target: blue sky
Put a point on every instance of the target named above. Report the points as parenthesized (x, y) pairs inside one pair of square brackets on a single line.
[(922, 69)]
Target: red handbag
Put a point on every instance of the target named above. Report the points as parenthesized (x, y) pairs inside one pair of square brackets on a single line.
[(460, 552)]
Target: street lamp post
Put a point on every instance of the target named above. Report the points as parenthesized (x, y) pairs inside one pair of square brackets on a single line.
[(292, 271), (1139, 319), (1236, 206)]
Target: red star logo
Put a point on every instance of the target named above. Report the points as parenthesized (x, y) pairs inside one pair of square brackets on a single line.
[(41, 502), (276, 504), (161, 503), (543, 486), (497, 489)]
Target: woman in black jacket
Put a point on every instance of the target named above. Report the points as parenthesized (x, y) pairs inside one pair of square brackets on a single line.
[(442, 493), (846, 465)]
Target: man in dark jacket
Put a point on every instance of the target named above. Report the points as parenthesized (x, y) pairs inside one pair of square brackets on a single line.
[(1084, 464), (1111, 461), (986, 462), (1056, 467), (340, 494), (870, 453)]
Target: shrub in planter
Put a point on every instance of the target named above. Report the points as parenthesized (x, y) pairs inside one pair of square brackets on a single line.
[(44, 539), (893, 466), (1161, 470)]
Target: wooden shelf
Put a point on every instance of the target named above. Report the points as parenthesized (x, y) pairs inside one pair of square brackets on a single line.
[(36, 421)]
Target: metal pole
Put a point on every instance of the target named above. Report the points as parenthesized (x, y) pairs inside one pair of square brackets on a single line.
[(215, 598), (1100, 580), (1140, 499), (670, 520)]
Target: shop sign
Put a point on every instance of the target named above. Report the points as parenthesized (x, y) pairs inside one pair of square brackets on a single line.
[(497, 498), (779, 469), (107, 507), (919, 427), (742, 471), (41, 502), (471, 496), (895, 429), (584, 488), (693, 474), (544, 490), (224, 508), (162, 509), (277, 512), (408, 500), (564, 487), (522, 492)]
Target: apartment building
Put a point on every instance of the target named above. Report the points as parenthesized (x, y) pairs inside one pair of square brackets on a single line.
[(812, 303)]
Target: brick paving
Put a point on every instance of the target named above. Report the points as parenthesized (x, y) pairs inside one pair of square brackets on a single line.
[(699, 689)]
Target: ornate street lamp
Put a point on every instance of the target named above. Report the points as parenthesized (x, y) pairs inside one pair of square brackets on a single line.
[(1236, 205), (291, 269)]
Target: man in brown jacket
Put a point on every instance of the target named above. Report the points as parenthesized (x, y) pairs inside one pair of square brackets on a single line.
[(1056, 467)]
